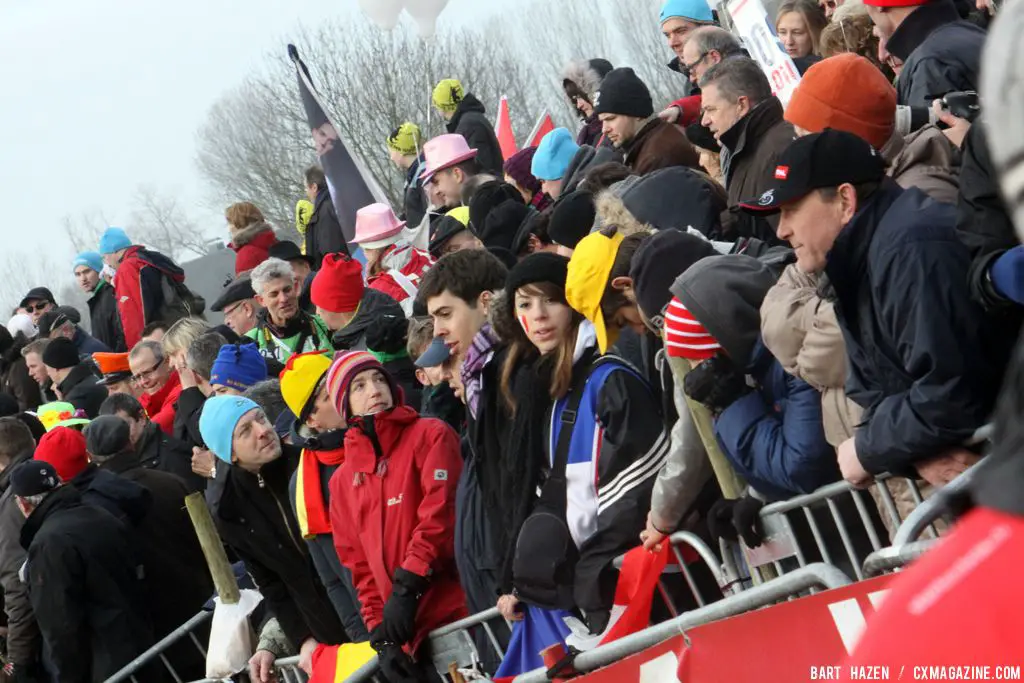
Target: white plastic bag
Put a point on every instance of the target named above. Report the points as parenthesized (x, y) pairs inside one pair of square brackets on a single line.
[(231, 637)]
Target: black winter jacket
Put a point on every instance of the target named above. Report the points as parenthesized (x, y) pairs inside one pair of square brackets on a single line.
[(81, 390), (414, 203), (169, 547), (127, 501), (186, 418), (372, 306), (470, 122), (14, 377), (106, 321), (323, 233), (86, 594), (23, 643), (158, 451), (941, 54), (919, 358), (254, 517)]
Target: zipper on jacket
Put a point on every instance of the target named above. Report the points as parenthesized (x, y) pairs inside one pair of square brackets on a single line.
[(284, 518)]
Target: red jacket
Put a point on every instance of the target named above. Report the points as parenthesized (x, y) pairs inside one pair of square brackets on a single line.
[(689, 110), (959, 605), (138, 289), (412, 263), (162, 405), (252, 246), (402, 517)]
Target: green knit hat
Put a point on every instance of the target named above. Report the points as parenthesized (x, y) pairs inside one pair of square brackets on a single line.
[(447, 94), (407, 139)]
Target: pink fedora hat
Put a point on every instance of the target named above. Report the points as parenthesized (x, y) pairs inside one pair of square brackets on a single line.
[(377, 226), (443, 152)]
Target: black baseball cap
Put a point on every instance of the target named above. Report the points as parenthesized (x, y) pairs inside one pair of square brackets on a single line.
[(38, 294), (56, 317), (813, 162)]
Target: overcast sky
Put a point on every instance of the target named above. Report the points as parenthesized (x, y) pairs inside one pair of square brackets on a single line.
[(100, 96)]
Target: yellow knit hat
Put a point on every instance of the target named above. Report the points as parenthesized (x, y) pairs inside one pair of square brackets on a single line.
[(447, 94), (407, 139), (461, 214), (300, 378), (587, 278)]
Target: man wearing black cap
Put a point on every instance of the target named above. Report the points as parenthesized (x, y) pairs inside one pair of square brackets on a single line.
[(572, 219), (920, 363), (238, 303), (303, 267), (74, 379), (62, 321), (168, 543), (84, 578), (39, 300), (627, 113)]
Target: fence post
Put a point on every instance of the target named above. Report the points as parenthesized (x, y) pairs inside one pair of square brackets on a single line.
[(220, 569)]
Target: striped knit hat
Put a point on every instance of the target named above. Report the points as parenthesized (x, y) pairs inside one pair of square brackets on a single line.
[(685, 337), (344, 369)]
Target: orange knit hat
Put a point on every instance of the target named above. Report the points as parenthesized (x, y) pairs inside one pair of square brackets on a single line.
[(847, 93)]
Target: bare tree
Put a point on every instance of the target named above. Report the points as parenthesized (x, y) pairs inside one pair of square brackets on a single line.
[(159, 221)]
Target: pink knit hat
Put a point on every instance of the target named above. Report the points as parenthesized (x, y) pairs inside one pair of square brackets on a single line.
[(377, 226), (343, 370), (443, 152)]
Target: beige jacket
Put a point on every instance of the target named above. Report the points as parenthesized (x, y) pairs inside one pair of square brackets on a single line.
[(927, 160), (800, 329)]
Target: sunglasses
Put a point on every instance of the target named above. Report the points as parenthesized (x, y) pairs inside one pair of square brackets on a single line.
[(38, 308)]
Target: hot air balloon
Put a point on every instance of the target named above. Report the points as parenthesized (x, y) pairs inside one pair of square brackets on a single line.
[(425, 12)]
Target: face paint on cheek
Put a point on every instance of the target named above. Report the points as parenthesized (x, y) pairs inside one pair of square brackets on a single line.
[(524, 323)]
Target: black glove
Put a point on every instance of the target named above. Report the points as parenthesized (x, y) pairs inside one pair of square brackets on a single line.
[(720, 520), (746, 517), (399, 624), (716, 383), (396, 666), (597, 620)]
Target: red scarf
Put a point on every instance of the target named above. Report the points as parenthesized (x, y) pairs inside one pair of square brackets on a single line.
[(310, 508)]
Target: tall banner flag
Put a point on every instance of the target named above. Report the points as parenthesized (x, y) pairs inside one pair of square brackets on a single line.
[(758, 34), (503, 129), (545, 124), (351, 185)]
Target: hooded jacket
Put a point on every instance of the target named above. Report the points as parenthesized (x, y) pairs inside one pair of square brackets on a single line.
[(255, 518), (799, 327), (393, 506), (927, 160), (106, 322), (177, 580), (337, 580), (23, 643), (81, 390), (750, 150), (252, 245), (470, 122), (587, 75), (323, 232), (920, 360), (162, 406), (940, 53), (659, 145), (139, 290), (773, 435), (85, 588), (159, 451), (373, 305)]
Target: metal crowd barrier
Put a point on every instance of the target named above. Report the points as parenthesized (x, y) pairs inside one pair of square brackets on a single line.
[(892, 558), (812, 576), (157, 652)]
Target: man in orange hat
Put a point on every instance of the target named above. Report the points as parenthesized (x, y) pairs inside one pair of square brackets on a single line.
[(117, 374)]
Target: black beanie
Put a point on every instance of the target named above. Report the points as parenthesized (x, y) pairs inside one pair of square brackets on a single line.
[(540, 267), (485, 199), (107, 435), (503, 223), (572, 218), (660, 259), (702, 137), (622, 92), (507, 258), (60, 354)]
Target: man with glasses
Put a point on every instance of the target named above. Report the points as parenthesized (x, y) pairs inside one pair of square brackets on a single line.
[(158, 383), (679, 20), (706, 47), (238, 303), (39, 300)]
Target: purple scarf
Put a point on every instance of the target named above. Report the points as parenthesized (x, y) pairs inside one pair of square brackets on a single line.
[(480, 353)]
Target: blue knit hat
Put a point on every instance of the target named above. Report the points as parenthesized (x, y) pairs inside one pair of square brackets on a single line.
[(697, 11), (218, 421), (238, 367), (89, 259), (554, 154), (114, 240)]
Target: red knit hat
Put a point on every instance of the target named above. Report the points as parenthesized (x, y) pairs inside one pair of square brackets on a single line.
[(685, 337), (823, 99), (338, 286), (64, 448)]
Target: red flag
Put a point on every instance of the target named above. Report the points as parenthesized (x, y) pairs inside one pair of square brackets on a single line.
[(545, 124), (503, 129)]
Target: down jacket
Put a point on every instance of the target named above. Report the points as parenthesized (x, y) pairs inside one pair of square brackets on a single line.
[(927, 160), (393, 506), (252, 245)]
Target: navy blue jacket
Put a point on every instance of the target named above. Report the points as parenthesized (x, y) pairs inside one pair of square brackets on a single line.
[(774, 436), (922, 361)]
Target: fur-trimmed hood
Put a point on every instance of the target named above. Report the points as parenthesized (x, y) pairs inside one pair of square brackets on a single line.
[(243, 236), (587, 74)]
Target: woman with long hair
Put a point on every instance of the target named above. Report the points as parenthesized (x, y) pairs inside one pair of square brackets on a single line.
[(799, 24), (596, 478)]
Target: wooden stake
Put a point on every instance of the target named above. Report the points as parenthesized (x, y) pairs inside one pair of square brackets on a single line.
[(217, 560)]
